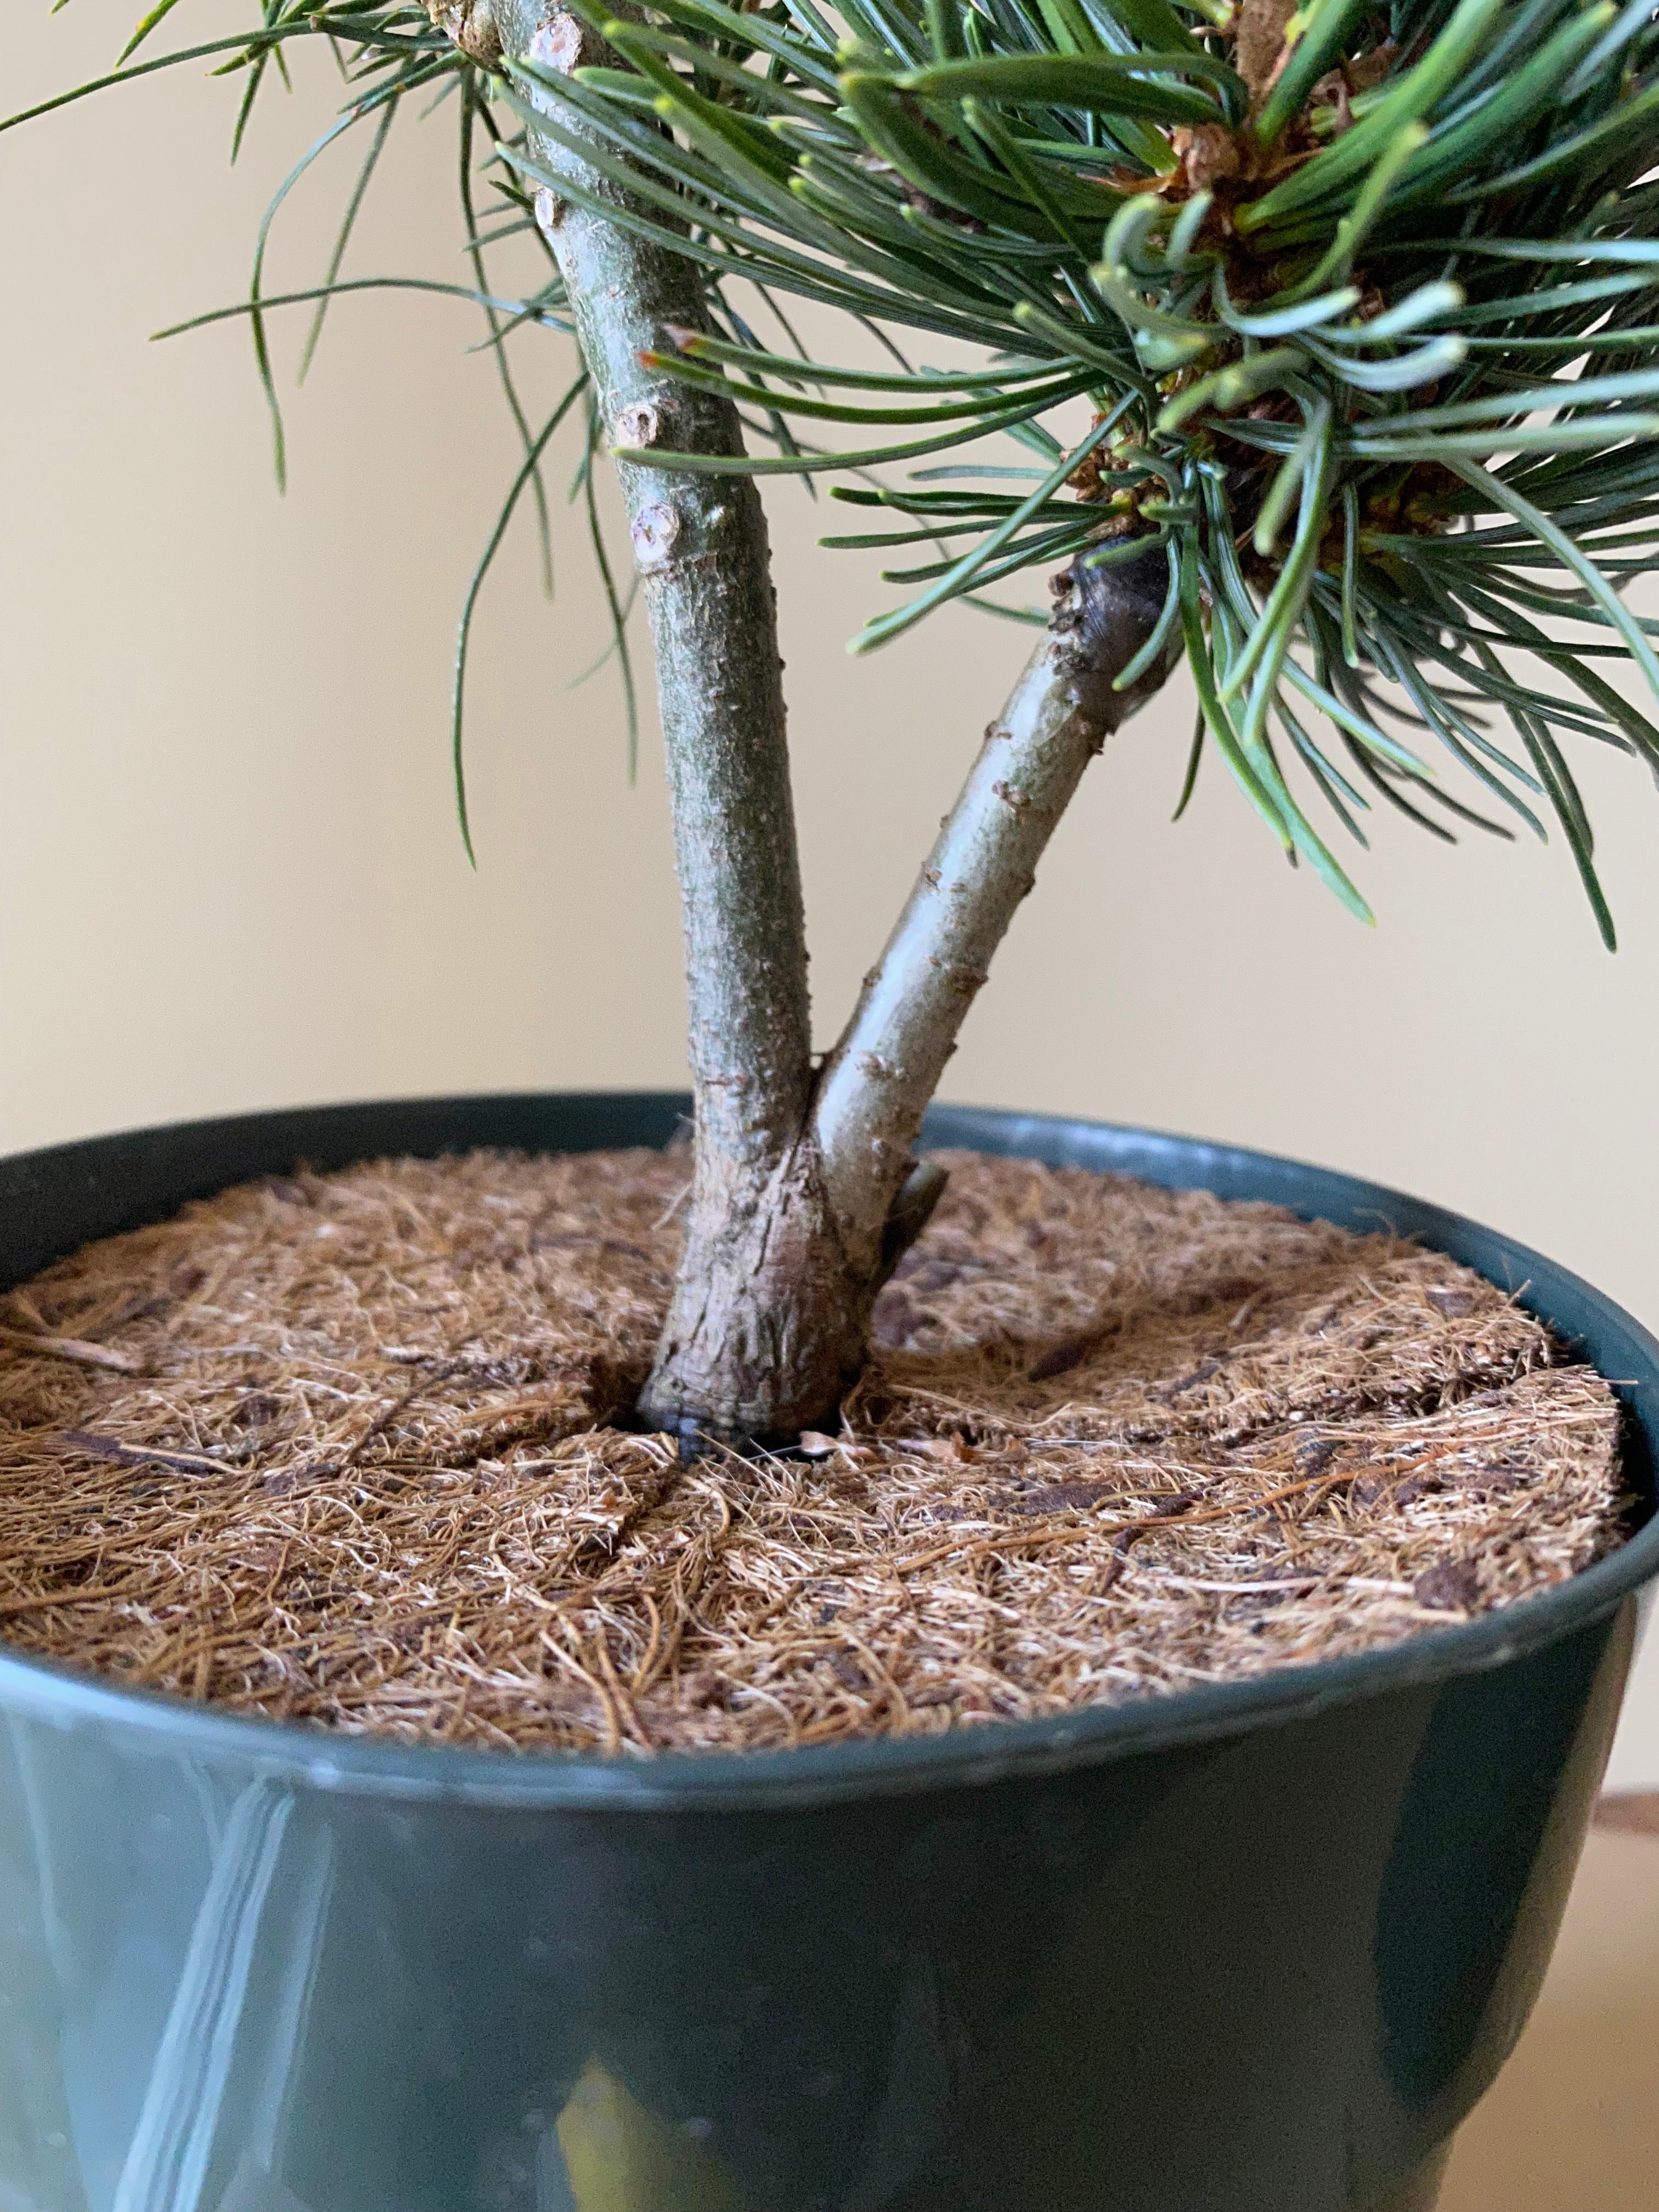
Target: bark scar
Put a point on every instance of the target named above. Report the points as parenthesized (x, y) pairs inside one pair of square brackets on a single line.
[(638, 423), (655, 533), (563, 45)]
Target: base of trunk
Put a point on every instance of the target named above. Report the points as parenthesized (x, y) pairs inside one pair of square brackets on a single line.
[(770, 1316), (351, 1448), (768, 1325)]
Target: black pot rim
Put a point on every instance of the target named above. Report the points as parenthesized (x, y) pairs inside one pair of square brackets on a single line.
[(677, 1781)]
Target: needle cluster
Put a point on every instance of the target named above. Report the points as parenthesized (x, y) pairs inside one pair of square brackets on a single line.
[(1357, 305)]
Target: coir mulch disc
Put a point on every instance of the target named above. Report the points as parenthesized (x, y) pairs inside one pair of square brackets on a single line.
[(353, 1450)]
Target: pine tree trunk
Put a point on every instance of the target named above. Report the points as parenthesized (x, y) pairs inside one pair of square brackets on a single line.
[(805, 1192), (749, 1290), (769, 1324)]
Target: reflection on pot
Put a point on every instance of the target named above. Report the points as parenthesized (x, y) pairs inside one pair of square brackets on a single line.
[(180, 1983), (255, 2190)]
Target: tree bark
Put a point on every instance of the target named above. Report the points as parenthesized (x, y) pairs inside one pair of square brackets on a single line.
[(767, 1343), (768, 1329), (805, 1193), (746, 1342), (875, 1084)]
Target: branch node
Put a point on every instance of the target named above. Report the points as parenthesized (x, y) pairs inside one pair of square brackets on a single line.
[(640, 423), (656, 531), (559, 45)]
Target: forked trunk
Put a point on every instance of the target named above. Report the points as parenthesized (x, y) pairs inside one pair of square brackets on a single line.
[(771, 1311), (805, 1192)]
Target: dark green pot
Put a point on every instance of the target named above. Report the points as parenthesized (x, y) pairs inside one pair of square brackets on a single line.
[(1252, 1948)]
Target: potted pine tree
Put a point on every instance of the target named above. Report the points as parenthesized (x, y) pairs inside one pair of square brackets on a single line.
[(1326, 339)]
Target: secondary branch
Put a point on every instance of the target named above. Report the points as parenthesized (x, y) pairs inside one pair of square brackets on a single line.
[(875, 1084)]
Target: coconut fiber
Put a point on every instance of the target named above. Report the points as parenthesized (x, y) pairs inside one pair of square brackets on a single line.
[(353, 1450)]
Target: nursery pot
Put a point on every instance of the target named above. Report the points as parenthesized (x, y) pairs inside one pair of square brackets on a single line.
[(1257, 1946)]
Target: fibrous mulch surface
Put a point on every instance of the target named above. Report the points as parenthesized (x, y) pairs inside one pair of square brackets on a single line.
[(339, 1448)]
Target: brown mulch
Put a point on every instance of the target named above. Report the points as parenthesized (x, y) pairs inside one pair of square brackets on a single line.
[(341, 1449)]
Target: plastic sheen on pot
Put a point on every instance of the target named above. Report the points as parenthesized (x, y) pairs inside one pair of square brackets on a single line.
[(1257, 1946)]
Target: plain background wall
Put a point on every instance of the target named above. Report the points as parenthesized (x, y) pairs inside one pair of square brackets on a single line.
[(229, 871)]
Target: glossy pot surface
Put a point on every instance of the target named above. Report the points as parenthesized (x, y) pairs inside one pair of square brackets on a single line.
[(1251, 1948)]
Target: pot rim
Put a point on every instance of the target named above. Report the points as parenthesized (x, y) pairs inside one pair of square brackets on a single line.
[(987, 1752)]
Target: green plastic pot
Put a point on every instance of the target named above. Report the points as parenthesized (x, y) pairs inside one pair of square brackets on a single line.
[(1255, 1948)]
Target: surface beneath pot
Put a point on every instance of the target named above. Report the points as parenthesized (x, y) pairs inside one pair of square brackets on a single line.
[(352, 1448)]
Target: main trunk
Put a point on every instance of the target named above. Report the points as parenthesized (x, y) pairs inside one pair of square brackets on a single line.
[(803, 1191), (757, 1280)]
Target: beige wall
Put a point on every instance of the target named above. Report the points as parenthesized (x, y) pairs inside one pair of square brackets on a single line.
[(231, 876)]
